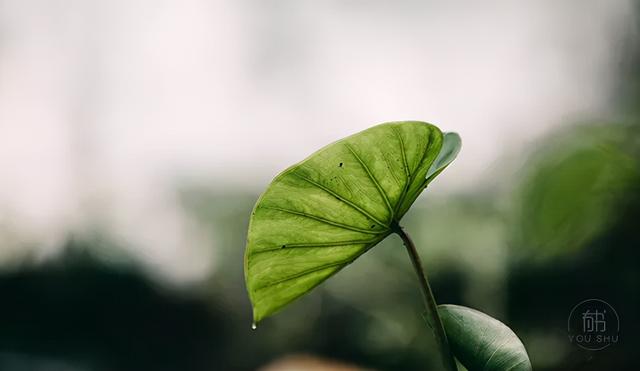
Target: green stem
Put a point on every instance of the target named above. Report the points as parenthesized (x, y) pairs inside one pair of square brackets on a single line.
[(429, 301)]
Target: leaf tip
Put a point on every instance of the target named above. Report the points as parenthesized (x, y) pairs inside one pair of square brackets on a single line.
[(257, 317)]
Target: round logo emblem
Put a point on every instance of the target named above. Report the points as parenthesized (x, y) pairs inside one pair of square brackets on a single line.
[(593, 324)]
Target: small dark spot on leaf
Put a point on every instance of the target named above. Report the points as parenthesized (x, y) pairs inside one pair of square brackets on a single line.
[(340, 164), (373, 225), (283, 246)]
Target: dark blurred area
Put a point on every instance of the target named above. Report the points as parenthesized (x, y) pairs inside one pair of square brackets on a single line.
[(82, 314), (561, 229)]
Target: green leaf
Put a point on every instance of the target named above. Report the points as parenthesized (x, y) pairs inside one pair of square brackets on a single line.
[(321, 214), (481, 342)]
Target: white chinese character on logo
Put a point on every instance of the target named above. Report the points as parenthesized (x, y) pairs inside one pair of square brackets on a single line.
[(593, 321)]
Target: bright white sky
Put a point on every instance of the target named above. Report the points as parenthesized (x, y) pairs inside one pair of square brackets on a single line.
[(104, 104)]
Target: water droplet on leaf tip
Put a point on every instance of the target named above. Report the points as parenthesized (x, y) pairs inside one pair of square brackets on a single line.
[(254, 326)]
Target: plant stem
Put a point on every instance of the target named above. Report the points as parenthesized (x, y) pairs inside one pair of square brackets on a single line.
[(429, 301)]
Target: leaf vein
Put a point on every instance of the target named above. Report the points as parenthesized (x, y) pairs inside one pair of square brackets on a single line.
[(516, 365), (304, 273), (336, 195), (373, 179), (402, 151), (323, 220), (494, 353), (390, 166), (312, 245), (407, 171)]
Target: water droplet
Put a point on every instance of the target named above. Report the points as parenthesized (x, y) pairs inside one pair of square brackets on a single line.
[(254, 326)]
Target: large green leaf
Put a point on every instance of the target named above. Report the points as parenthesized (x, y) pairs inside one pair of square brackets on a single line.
[(482, 343), (321, 214)]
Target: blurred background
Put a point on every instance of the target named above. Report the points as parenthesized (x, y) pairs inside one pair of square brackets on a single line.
[(135, 137)]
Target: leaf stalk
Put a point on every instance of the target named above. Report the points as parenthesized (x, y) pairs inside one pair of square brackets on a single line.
[(432, 316)]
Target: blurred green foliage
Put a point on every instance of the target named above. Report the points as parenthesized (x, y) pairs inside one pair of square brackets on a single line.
[(575, 186)]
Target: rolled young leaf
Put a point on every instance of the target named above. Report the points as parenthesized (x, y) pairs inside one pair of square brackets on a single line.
[(482, 343), (321, 214), (451, 145)]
